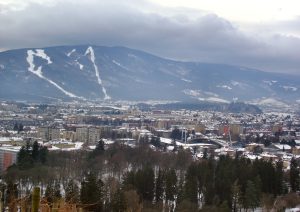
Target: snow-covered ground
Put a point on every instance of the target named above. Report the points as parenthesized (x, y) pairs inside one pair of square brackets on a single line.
[(290, 88), (225, 87), (270, 102), (186, 80), (38, 72), (71, 52), (91, 52)]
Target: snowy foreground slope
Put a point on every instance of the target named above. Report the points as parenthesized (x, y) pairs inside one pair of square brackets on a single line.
[(118, 73)]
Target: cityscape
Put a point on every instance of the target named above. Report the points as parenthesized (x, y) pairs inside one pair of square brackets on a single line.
[(79, 126)]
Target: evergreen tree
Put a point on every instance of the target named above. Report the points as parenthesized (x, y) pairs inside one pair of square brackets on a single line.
[(171, 185), (24, 159), (258, 185), (236, 196), (72, 192), (191, 184), (279, 178), (91, 192), (52, 192), (145, 183), (98, 150), (29, 155), (99, 147), (224, 179), (250, 199), (209, 183), (155, 141), (35, 151), (118, 203), (294, 175), (28, 147), (43, 154), (129, 181), (56, 191), (159, 185), (49, 193)]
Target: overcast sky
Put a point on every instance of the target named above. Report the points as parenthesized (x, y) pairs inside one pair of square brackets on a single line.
[(258, 34)]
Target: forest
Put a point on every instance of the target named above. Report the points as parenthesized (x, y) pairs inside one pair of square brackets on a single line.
[(121, 178)]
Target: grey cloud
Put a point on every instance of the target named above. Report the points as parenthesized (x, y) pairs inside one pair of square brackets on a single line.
[(207, 38)]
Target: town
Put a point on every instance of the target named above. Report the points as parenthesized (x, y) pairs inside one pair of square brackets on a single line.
[(74, 126)]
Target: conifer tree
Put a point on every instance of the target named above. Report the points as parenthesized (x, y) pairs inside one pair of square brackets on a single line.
[(49, 193), (236, 196), (43, 154), (145, 183), (72, 192), (118, 203), (294, 175), (159, 185), (279, 178), (129, 181), (250, 199), (191, 184), (91, 192), (171, 185), (35, 151)]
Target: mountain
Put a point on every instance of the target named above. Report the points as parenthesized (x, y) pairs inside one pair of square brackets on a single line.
[(118, 73)]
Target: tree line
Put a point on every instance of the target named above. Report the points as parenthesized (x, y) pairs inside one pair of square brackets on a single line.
[(121, 178)]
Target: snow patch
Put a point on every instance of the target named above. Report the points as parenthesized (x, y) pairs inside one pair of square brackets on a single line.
[(41, 53), (186, 80), (199, 93), (91, 52), (235, 83), (210, 93), (38, 72), (120, 65), (133, 56), (2, 67), (204, 96), (79, 64), (270, 82), (239, 84), (235, 99), (71, 52), (194, 93), (289, 88), (215, 99), (225, 87), (271, 102)]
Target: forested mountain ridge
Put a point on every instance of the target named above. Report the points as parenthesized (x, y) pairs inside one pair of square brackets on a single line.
[(118, 73)]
